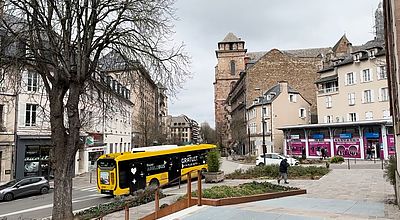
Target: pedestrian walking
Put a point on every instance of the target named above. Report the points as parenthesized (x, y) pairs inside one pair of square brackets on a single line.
[(283, 167), (369, 152)]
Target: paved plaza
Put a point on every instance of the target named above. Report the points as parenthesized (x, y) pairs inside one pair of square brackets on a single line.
[(359, 193)]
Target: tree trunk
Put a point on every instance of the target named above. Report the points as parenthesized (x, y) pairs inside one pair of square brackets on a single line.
[(65, 148)]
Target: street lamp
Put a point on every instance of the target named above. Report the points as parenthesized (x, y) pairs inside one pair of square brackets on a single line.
[(264, 148)]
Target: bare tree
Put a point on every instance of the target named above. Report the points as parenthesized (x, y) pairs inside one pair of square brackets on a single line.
[(207, 133), (63, 40)]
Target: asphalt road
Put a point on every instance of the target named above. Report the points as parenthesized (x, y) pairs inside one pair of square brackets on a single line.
[(84, 195), (40, 206)]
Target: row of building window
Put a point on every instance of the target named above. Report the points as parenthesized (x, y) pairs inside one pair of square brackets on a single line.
[(352, 117), (366, 76), (367, 97), (114, 148)]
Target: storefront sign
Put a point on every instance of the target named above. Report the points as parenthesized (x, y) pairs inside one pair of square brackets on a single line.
[(372, 135), (345, 135), (294, 136), (317, 136)]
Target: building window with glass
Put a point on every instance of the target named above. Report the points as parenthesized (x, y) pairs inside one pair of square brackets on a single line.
[(367, 98), (352, 98), (33, 81), (30, 114), (384, 96), (382, 74), (366, 75), (233, 67), (369, 115), (352, 116), (302, 112), (292, 97), (329, 119), (36, 161), (328, 100), (350, 80)]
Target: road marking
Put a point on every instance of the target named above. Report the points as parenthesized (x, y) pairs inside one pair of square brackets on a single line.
[(76, 200)]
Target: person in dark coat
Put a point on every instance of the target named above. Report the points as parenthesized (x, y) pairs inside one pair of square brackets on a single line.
[(283, 167)]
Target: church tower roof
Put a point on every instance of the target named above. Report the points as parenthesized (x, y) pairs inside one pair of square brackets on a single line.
[(230, 38)]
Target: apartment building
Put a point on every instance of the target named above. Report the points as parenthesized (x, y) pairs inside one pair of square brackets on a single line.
[(145, 95), (354, 88), (182, 130), (278, 106), (353, 103)]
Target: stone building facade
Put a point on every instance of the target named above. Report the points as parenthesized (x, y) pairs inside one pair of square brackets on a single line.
[(391, 11), (230, 55)]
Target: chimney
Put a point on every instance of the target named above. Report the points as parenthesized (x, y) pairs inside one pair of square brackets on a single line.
[(283, 85), (349, 48)]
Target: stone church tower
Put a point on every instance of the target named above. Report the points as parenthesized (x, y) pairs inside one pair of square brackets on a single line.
[(231, 61)]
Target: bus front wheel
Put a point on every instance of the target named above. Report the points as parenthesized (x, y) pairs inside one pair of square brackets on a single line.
[(154, 183)]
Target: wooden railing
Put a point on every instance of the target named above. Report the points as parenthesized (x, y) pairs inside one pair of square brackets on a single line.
[(188, 191)]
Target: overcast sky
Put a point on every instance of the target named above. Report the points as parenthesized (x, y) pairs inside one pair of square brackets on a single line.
[(263, 25)]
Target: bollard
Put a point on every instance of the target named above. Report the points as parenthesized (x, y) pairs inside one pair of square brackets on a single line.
[(157, 204), (126, 212), (179, 182), (374, 159), (189, 189), (355, 161), (382, 163), (90, 176), (199, 188), (348, 163)]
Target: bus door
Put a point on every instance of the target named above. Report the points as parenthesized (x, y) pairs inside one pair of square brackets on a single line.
[(174, 168), (138, 176)]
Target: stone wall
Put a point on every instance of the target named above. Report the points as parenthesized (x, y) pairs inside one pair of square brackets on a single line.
[(275, 66)]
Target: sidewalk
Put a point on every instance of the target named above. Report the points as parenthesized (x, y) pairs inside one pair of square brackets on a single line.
[(342, 194)]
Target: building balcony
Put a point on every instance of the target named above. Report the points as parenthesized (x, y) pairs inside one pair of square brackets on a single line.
[(328, 90)]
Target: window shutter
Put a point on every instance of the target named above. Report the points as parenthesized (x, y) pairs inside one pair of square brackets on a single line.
[(326, 119), (361, 77), (378, 73), (380, 94), (357, 119), (21, 115), (24, 81), (355, 78), (346, 81), (362, 97), (372, 95), (348, 117)]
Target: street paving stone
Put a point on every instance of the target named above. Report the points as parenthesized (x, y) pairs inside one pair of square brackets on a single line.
[(359, 193)]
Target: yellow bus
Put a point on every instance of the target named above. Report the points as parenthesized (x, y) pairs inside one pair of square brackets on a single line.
[(124, 173)]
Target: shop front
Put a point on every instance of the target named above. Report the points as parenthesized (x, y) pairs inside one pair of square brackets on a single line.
[(346, 142), (295, 142), (318, 142), (373, 145), (33, 156)]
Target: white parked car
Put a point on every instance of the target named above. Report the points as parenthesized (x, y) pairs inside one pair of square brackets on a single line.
[(275, 158)]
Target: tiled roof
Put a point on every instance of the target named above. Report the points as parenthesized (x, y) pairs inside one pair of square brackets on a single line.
[(230, 38), (302, 53), (308, 53)]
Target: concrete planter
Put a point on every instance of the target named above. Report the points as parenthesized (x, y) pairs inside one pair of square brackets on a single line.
[(214, 177)]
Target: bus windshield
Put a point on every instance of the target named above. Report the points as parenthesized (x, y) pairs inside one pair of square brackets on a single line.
[(106, 163)]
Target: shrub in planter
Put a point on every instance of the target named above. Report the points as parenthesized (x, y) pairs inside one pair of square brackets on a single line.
[(337, 159), (214, 161), (390, 170), (214, 164)]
